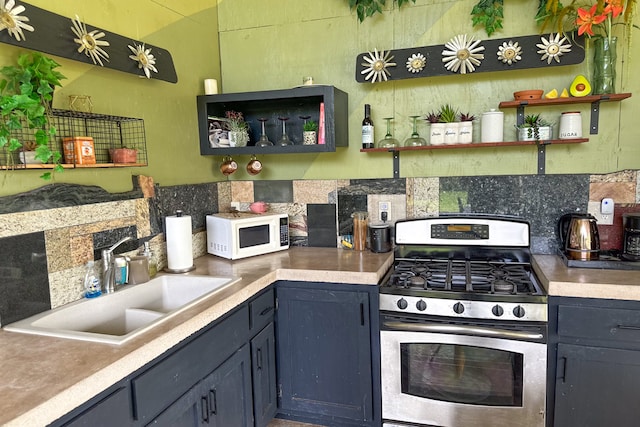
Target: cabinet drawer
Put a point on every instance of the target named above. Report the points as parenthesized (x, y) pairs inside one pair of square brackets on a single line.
[(597, 323), (168, 379), (262, 310)]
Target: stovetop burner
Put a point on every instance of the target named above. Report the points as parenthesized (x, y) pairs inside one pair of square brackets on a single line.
[(464, 267), (463, 276)]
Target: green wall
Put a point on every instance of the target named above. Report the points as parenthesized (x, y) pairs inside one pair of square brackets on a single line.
[(258, 45), (273, 48), (189, 31)]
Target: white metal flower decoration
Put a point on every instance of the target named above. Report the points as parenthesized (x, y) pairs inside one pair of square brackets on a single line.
[(376, 64), (553, 48), (509, 53), (146, 61), (12, 21), (89, 43), (416, 62), (462, 54)]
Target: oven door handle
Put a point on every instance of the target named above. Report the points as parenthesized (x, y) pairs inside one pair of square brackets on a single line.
[(475, 330)]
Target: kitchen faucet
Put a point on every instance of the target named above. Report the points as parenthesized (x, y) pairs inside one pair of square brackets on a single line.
[(109, 268)]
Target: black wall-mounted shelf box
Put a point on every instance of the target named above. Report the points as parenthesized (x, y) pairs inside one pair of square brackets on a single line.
[(272, 104)]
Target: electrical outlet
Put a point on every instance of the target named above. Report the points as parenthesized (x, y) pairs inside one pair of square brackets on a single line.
[(384, 207), (595, 209), (235, 205)]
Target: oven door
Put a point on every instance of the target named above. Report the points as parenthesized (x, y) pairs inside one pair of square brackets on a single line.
[(443, 374)]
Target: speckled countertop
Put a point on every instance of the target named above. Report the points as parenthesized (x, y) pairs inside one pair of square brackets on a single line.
[(43, 378), (586, 282)]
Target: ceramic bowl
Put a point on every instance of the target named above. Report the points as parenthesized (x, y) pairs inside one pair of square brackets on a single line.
[(527, 94)]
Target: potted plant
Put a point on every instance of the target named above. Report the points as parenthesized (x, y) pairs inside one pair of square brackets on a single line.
[(26, 93), (238, 129), (448, 115), (310, 130), (535, 128), (436, 130), (465, 129)]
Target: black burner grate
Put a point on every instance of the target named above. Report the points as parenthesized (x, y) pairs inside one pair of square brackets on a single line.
[(463, 276)]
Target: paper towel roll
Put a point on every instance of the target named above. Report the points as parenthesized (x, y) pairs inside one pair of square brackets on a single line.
[(179, 242)]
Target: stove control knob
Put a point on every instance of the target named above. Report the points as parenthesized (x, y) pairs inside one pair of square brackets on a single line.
[(458, 308), (497, 310), (421, 305), (402, 303), (518, 311)]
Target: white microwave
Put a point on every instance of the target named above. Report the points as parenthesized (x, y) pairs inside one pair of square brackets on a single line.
[(241, 235)]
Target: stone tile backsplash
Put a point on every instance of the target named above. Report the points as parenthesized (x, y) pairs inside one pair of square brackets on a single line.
[(66, 232)]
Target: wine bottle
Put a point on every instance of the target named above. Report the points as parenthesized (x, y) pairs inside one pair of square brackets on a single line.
[(367, 128)]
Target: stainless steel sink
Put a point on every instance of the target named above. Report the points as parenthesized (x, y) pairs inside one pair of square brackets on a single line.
[(118, 317)]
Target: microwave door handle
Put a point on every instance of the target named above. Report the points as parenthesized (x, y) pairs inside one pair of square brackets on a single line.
[(475, 330)]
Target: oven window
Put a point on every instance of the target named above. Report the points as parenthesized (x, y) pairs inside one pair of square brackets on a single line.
[(253, 236), (462, 374)]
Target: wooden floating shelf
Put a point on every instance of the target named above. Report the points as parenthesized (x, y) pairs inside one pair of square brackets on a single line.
[(478, 145), (71, 166), (560, 101)]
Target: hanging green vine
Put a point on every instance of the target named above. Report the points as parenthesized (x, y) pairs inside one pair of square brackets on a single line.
[(488, 13), (366, 8)]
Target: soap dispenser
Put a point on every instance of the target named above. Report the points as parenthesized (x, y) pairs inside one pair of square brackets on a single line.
[(153, 265), (92, 286)]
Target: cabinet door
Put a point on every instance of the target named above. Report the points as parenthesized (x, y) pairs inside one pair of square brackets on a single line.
[(227, 392), (263, 360), (187, 411), (324, 352), (114, 409), (597, 387)]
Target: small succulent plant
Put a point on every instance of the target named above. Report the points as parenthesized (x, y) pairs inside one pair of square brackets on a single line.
[(448, 114), (433, 117), (310, 126), (467, 117)]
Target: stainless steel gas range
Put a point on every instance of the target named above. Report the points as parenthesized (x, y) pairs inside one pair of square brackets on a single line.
[(463, 325)]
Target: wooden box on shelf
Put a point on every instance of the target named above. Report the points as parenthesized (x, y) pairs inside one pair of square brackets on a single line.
[(123, 155)]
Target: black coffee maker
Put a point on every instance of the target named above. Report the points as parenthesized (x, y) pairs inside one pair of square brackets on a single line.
[(631, 236)]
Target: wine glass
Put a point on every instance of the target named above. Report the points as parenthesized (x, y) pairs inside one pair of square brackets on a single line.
[(264, 140), (284, 141), (388, 141), (415, 140)]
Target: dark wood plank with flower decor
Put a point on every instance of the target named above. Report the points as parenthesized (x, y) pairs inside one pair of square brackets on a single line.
[(427, 61), (52, 34)]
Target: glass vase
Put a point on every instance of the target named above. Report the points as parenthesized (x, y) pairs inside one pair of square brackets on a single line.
[(604, 65)]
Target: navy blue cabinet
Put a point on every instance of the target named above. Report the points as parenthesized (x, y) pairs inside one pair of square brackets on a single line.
[(210, 379), (221, 399), (594, 355), (114, 409), (263, 359), (324, 342)]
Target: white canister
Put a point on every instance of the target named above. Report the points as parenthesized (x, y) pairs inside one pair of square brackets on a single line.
[(451, 133), (465, 132), (492, 126), (570, 125), (436, 133)]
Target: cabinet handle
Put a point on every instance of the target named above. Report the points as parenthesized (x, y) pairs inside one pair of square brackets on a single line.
[(213, 402), (204, 409), (266, 311), (562, 368), (361, 314), (259, 357), (632, 328)]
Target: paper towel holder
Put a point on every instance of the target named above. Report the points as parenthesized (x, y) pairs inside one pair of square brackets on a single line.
[(179, 214)]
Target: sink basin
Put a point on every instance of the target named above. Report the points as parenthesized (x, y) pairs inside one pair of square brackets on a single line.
[(116, 318)]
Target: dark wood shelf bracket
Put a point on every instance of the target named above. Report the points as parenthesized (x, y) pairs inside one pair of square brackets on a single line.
[(542, 157), (595, 117), (396, 163)]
